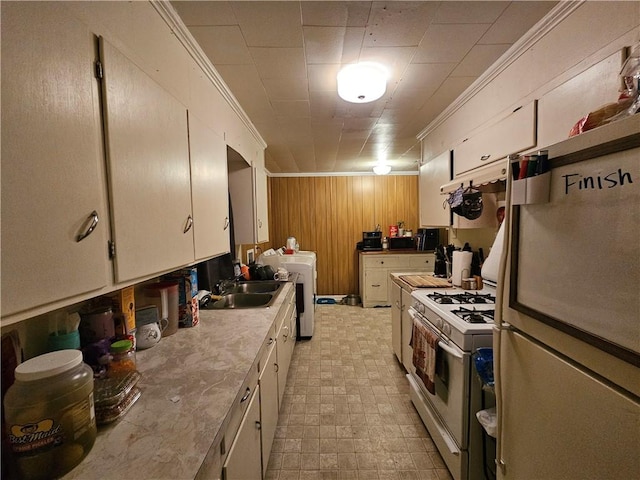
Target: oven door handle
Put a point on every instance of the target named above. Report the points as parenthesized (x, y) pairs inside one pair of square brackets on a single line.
[(450, 351)]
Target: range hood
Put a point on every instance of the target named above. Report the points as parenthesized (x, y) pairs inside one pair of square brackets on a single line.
[(479, 176)]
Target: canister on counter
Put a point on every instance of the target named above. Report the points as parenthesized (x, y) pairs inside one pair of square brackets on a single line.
[(469, 283), (50, 414), (123, 358)]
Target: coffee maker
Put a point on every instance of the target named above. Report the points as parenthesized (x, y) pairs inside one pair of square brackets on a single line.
[(371, 241)]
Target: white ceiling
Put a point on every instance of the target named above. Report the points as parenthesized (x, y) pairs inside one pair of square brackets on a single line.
[(280, 60)]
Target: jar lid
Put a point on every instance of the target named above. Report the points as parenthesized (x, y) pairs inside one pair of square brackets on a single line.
[(48, 365), (121, 346)]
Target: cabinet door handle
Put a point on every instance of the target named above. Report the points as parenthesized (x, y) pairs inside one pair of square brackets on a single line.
[(276, 366), (270, 341), (377, 285), (93, 216), (398, 304), (259, 223), (285, 335), (258, 425), (246, 395), (484, 158), (189, 224), (226, 223)]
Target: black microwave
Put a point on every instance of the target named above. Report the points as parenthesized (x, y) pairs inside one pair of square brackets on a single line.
[(402, 243)]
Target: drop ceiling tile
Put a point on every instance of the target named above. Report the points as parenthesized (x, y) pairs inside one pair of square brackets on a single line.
[(291, 109), (279, 62), (398, 24), (469, 12), (355, 124), (446, 94), (515, 21), (205, 13), (395, 59), (353, 39), (223, 45), (286, 88), (479, 59), (322, 78), (323, 44), (269, 24), (424, 76), (336, 14), (448, 43), (323, 105)]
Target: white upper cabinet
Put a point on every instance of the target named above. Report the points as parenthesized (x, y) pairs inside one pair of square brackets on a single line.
[(148, 166), (52, 164), (209, 190), (514, 133), (249, 200), (433, 174), (261, 205)]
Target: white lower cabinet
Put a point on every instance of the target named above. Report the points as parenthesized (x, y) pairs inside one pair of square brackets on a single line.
[(244, 460), (285, 344), (396, 319), (257, 424), (401, 324), (375, 282), (407, 331), (268, 382)]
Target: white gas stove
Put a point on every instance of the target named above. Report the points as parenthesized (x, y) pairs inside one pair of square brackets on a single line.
[(462, 320), (457, 314)]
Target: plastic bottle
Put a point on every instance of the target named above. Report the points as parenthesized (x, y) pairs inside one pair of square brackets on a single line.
[(50, 414)]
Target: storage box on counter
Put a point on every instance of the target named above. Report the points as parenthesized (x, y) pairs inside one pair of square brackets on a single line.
[(125, 303), (188, 308)]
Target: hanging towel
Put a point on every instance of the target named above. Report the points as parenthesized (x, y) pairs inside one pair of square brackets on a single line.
[(425, 353)]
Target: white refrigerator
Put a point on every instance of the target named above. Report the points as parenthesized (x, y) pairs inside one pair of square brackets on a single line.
[(567, 335)]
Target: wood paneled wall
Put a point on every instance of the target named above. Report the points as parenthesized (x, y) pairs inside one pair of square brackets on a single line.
[(329, 214)]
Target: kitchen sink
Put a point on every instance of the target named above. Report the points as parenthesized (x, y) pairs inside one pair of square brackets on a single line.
[(255, 287), (242, 300)]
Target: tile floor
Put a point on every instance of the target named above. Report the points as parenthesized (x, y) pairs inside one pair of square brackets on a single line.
[(346, 412)]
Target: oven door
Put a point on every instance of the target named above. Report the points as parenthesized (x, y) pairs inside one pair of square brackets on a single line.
[(450, 404)]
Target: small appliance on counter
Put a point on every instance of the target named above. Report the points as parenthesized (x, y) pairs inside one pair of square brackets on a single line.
[(402, 243), (371, 242)]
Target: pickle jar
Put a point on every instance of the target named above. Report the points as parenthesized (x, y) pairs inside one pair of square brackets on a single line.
[(50, 414), (123, 358)]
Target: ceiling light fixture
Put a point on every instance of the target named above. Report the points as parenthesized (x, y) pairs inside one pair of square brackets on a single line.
[(381, 169), (362, 82)]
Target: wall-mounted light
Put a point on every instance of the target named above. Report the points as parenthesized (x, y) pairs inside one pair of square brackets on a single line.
[(382, 169), (362, 82)]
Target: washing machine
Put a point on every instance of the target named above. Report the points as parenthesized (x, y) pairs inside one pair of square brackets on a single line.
[(304, 264)]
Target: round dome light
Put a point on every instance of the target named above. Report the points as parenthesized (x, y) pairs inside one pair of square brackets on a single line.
[(381, 169), (362, 82)]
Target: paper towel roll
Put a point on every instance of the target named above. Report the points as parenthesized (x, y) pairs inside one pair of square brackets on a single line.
[(461, 267)]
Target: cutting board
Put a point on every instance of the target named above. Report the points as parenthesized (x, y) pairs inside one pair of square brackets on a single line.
[(425, 281)]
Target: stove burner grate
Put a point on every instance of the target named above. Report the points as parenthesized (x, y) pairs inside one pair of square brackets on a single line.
[(474, 316)]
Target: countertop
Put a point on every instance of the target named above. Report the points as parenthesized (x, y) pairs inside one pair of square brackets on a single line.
[(189, 383), (395, 277)]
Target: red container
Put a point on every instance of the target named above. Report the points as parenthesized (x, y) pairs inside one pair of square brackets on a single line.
[(393, 230)]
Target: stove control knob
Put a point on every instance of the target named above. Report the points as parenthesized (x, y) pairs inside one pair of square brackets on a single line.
[(439, 323), (446, 328)]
